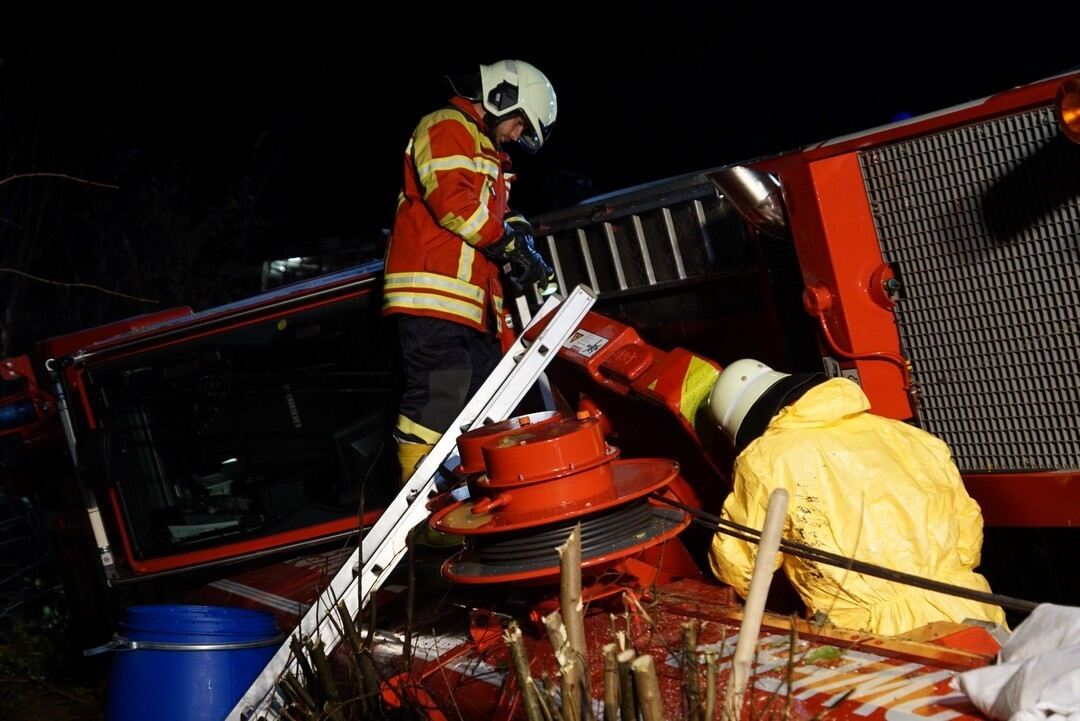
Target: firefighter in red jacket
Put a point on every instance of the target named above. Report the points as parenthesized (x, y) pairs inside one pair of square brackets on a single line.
[(452, 233)]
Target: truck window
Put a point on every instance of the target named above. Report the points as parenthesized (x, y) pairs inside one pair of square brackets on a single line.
[(259, 430)]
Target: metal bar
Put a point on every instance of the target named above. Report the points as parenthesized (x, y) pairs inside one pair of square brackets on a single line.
[(639, 199), (639, 232), (556, 264), (385, 544), (93, 511), (699, 211), (620, 275), (220, 317), (669, 226), (583, 241)]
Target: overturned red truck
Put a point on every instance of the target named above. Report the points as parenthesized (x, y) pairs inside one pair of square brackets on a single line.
[(232, 455)]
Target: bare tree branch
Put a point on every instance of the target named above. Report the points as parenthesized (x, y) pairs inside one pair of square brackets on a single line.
[(63, 176), (77, 285)]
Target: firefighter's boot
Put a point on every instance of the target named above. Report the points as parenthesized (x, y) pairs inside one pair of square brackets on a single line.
[(409, 455)]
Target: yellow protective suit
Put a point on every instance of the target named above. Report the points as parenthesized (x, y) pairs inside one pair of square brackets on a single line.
[(866, 487)]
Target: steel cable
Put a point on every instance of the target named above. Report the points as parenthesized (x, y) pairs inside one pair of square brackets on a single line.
[(598, 532), (810, 553)]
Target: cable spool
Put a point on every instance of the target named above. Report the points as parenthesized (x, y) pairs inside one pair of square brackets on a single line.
[(540, 480), (470, 443)]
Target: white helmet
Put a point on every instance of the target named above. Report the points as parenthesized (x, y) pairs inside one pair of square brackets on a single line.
[(739, 386), (514, 86)]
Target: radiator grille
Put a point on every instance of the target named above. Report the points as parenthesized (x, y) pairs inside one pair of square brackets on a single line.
[(983, 225)]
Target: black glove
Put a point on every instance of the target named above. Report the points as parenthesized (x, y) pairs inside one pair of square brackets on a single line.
[(520, 262)]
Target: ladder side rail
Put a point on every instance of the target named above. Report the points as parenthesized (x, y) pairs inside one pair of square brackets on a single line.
[(385, 544)]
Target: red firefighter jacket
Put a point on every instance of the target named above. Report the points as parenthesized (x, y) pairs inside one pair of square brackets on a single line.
[(452, 204)]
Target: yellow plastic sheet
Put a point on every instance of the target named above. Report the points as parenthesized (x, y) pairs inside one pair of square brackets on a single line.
[(866, 487)]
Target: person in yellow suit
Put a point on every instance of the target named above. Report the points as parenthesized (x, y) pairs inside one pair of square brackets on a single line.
[(860, 485)]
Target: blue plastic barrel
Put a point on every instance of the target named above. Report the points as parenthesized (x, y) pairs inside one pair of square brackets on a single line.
[(186, 663)]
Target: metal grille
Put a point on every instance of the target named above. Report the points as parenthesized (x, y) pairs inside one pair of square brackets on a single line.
[(982, 223), (676, 260), (645, 238)]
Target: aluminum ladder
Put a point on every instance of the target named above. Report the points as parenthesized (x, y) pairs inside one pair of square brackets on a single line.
[(386, 543)]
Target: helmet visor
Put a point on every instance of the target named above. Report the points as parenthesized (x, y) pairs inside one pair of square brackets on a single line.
[(530, 139)]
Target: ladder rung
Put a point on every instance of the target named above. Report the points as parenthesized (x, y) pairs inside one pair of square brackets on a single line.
[(669, 225), (620, 274), (583, 241), (699, 211), (556, 264), (639, 232)]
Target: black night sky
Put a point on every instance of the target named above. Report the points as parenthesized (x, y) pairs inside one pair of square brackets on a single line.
[(241, 131)]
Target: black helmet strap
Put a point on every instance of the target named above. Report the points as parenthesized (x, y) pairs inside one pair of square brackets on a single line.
[(782, 393)]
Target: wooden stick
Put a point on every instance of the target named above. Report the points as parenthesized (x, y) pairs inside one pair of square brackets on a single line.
[(611, 683), (755, 603), (371, 684), (690, 671), (647, 686), (640, 609), (521, 671), (297, 648), (326, 680), (710, 685), (545, 702), (347, 629), (627, 700), (549, 693), (304, 703), (569, 668), (573, 611)]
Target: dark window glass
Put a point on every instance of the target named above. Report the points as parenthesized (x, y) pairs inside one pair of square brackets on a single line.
[(255, 431)]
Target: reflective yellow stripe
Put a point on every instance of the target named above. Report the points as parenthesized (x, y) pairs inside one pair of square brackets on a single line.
[(407, 425), (436, 281), (482, 165), (465, 262), (480, 217), (697, 384), (427, 170), (468, 228), (428, 301), (427, 166), (497, 304)]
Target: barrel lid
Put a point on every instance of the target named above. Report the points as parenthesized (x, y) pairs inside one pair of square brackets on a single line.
[(175, 622)]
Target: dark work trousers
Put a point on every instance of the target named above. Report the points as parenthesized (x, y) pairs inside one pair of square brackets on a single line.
[(445, 363)]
